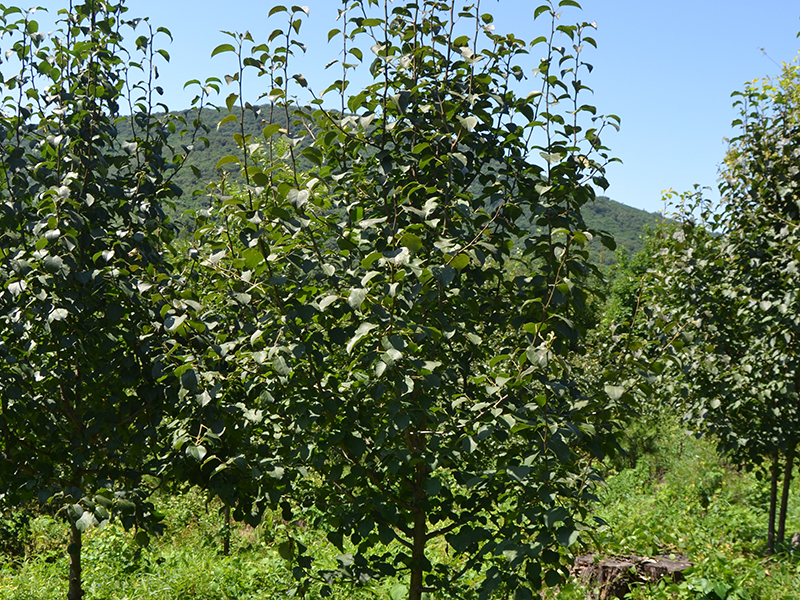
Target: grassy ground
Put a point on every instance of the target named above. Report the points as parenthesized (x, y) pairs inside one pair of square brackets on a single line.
[(678, 497), (681, 498), (186, 563)]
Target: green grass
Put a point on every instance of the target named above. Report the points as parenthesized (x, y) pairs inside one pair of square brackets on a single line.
[(680, 497), (677, 497), (186, 563)]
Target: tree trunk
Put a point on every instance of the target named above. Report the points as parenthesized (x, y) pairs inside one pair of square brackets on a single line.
[(787, 482), (75, 578), (773, 501), (420, 539), (417, 585), (226, 534)]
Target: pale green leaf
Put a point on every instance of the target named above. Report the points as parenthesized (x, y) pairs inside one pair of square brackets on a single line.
[(362, 331), (357, 297)]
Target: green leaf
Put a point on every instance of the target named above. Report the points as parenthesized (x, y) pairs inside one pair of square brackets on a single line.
[(142, 538), (74, 512), (444, 274), (57, 314), (369, 260), (189, 380), (280, 366), (533, 328), (276, 472), (327, 301), (196, 452), (227, 119), (552, 158), (468, 123), (615, 392), (298, 198), (230, 101), (286, 550), (173, 322), (412, 241), (398, 592), (523, 593), (474, 338), (270, 130), (222, 48), (314, 155), (556, 515), (17, 287), (433, 486), (552, 578), (460, 261), (465, 538), (230, 158), (401, 101), (519, 472), (86, 520), (567, 536), (419, 148), (54, 264)]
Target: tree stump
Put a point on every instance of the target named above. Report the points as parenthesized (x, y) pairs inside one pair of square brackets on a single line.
[(613, 577)]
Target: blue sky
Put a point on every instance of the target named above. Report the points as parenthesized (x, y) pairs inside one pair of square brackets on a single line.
[(667, 68)]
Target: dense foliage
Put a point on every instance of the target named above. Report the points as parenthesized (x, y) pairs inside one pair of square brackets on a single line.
[(385, 325), (374, 336), (82, 241), (729, 282), (407, 336), (678, 497)]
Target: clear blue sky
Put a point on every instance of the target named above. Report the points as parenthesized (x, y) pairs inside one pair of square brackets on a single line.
[(667, 68)]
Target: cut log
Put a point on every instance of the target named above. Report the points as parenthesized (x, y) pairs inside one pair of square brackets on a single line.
[(612, 577)]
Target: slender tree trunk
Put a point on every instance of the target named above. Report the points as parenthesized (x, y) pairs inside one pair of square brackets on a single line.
[(418, 556), (787, 482), (418, 560), (75, 577), (773, 501), (226, 535)]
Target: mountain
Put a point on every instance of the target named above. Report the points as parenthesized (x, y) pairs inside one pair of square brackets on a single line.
[(626, 223), (209, 144)]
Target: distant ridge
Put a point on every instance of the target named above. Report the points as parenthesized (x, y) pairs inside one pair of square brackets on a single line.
[(626, 223)]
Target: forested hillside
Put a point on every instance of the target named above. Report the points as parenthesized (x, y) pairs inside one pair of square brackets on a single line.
[(626, 223), (212, 142)]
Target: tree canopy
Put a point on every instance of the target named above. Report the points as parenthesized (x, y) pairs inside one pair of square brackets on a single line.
[(377, 324), (401, 340), (82, 269), (730, 282)]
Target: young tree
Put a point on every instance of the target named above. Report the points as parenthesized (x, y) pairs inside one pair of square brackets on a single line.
[(394, 325), (730, 280), (82, 240)]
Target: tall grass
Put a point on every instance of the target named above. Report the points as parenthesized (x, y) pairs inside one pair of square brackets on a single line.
[(678, 496), (671, 494)]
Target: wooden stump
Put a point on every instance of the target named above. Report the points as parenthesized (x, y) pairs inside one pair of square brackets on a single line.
[(613, 577)]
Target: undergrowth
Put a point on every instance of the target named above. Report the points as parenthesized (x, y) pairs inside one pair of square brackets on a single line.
[(670, 494)]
